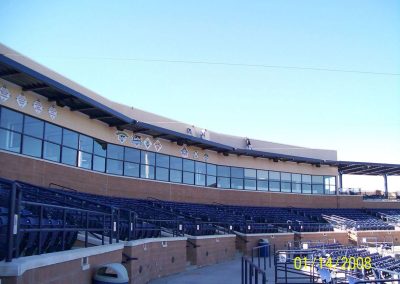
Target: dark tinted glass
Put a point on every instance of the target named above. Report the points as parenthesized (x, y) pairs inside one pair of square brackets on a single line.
[(162, 174), (147, 171), (114, 167), (10, 141), (33, 127), (132, 155), (162, 160), (70, 138), (68, 156), (188, 177), (32, 146), (11, 120), (84, 160), (131, 169), (100, 148), (223, 182), (53, 133), (223, 171), (115, 152), (99, 164), (51, 151), (176, 163), (175, 176), (148, 158), (188, 165), (211, 169), (85, 143)]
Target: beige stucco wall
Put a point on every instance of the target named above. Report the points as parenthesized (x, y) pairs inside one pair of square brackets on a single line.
[(82, 123)]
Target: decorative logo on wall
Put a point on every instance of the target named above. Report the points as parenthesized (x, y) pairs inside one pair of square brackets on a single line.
[(195, 154), (136, 140), (121, 136), (184, 152), (205, 157), (52, 112), (147, 143), (4, 94), (37, 106), (21, 100), (157, 145)]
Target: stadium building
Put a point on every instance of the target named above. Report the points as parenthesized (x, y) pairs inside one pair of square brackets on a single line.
[(87, 182)]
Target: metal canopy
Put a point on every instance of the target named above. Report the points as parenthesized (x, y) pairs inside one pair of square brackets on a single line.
[(31, 80), (365, 168)]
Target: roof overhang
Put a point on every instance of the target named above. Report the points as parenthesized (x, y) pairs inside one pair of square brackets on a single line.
[(62, 95)]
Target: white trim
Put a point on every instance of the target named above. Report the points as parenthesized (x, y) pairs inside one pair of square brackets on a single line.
[(265, 234), (153, 240), (211, 237), (18, 266)]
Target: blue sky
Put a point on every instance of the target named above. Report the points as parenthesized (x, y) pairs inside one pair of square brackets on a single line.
[(124, 52)]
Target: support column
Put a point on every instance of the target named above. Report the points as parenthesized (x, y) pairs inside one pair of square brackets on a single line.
[(386, 186), (340, 183)]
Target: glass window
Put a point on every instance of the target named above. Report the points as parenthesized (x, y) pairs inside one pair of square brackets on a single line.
[(70, 138), (132, 155), (317, 179), (148, 158), (147, 171), (188, 165), (188, 178), (317, 189), (274, 175), (84, 160), (53, 133), (211, 181), (100, 148), (115, 152), (250, 184), (10, 141), (11, 120), (162, 174), (296, 187), (175, 163), (223, 182), (306, 178), (85, 143), (51, 151), (131, 169), (200, 179), (223, 171), (274, 186), (68, 156), (306, 188), (262, 185), (286, 186), (237, 172), (262, 175), (236, 183), (286, 177), (201, 168), (31, 146), (162, 161), (33, 127), (175, 176), (114, 167), (296, 178), (211, 169), (99, 163), (250, 173)]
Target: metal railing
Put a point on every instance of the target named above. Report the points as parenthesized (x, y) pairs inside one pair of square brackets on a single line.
[(254, 269)]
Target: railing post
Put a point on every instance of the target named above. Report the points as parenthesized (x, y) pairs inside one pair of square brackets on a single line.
[(11, 220)]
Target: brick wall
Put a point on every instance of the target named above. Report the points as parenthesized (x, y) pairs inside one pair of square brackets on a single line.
[(208, 250)]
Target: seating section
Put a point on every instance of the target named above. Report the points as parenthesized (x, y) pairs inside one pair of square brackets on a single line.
[(352, 219)]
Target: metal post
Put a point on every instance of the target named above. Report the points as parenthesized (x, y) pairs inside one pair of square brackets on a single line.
[(386, 186), (340, 183), (10, 231)]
